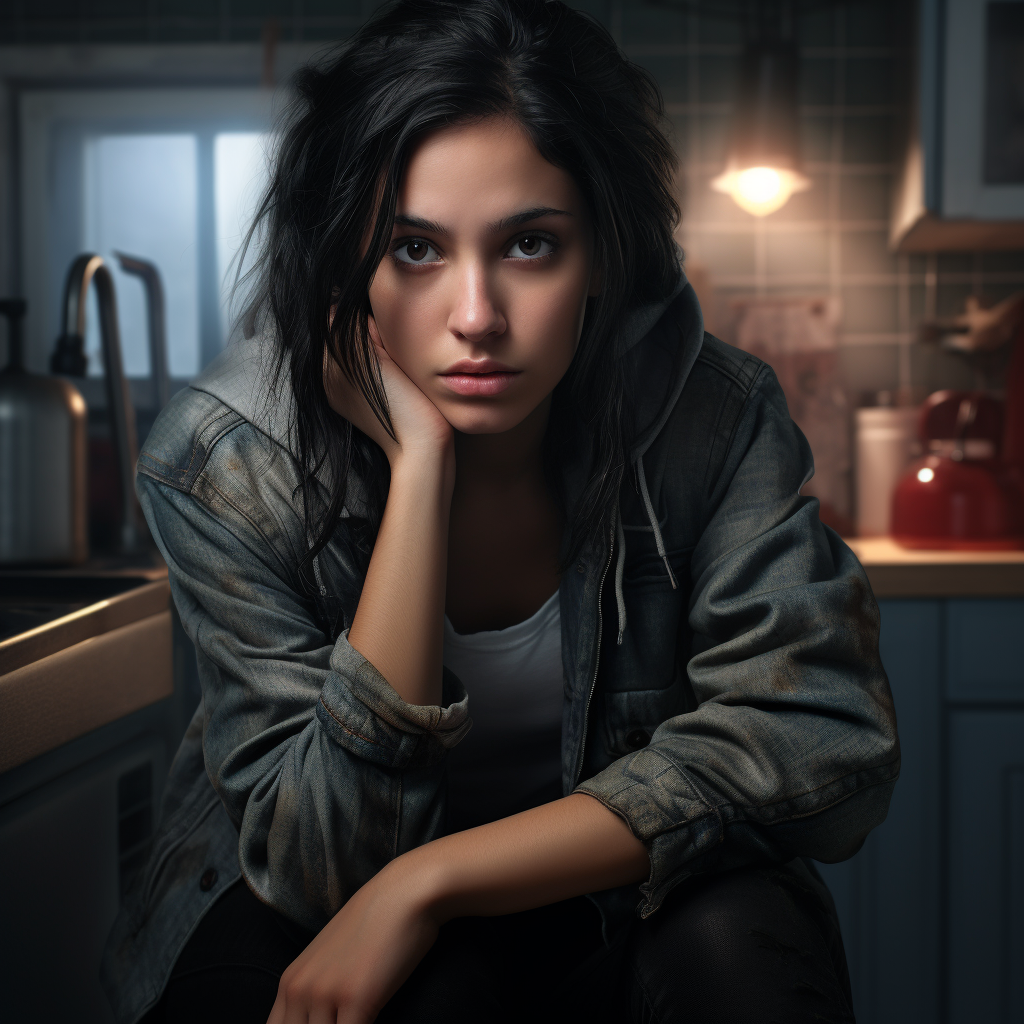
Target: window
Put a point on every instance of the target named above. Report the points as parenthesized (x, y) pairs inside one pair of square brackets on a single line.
[(240, 168), (140, 198), (171, 176)]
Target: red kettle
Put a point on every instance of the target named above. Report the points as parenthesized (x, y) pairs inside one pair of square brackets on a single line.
[(959, 495)]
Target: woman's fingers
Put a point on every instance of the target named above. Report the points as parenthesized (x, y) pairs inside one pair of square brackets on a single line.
[(278, 1010), (310, 1003), (358, 960), (348, 401), (417, 423)]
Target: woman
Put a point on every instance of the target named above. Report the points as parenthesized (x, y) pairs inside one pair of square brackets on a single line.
[(479, 457)]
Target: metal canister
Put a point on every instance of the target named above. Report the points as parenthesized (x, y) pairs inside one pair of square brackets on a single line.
[(42, 460)]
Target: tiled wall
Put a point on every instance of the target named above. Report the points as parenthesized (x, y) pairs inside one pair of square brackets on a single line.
[(831, 240)]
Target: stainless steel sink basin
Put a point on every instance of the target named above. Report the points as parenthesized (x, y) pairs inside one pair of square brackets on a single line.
[(28, 601), (78, 651)]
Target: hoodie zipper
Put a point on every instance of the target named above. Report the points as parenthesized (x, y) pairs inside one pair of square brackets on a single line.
[(597, 660)]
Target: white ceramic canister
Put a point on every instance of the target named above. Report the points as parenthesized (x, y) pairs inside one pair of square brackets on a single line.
[(886, 440)]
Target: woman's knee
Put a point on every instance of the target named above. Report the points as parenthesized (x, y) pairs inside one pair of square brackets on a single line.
[(737, 946)]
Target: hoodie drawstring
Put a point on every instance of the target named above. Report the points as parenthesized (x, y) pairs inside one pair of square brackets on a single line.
[(620, 543), (620, 568), (654, 521)]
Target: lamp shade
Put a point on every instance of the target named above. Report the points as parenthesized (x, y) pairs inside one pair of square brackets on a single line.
[(763, 167)]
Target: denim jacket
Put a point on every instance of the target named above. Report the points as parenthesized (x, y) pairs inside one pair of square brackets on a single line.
[(723, 690)]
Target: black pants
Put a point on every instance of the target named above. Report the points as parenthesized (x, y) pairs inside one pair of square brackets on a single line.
[(745, 946)]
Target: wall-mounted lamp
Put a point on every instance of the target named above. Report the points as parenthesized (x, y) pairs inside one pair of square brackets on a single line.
[(763, 167)]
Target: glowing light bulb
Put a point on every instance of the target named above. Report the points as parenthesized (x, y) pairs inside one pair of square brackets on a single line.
[(926, 475), (760, 190)]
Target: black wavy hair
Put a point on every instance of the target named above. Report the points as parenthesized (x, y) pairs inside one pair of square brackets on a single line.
[(417, 66)]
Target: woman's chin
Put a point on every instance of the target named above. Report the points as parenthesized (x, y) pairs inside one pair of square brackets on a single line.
[(483, 421)]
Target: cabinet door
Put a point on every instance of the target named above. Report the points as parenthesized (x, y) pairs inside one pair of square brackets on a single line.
[(888, 894), (980, 175), (65, 848), (983, 651), (986, 867)]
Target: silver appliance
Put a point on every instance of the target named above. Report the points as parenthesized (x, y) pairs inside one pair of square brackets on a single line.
[(42, 460)]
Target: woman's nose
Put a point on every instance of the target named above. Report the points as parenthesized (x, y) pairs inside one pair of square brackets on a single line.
[(476, 314)]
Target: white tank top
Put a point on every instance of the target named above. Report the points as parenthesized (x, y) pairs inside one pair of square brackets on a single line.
[(511, 759)]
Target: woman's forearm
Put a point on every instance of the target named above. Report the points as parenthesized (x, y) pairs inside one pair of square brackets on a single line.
[(398, 625), (562, 849)]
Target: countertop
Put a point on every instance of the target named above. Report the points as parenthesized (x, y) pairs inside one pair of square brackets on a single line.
[(101, 660), (895, 571)]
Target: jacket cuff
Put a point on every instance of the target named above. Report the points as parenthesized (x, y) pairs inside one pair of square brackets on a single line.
[(664, 810), (359, 709)]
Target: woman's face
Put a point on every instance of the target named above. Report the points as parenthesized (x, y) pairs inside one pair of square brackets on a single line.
[(481, 297)]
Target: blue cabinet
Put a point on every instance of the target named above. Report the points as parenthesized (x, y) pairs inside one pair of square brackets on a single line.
[(932, 907), (986, 865)]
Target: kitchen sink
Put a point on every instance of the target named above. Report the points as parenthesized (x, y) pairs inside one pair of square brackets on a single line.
[(28, 601), (79, 649)]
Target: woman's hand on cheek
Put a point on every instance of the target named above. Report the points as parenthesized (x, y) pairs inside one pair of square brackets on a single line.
[(420, 429), (360, 958)]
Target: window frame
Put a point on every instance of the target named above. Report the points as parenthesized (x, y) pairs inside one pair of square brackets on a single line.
[(205, 111)]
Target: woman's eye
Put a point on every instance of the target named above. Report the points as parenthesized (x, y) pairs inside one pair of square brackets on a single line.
[(415, 252), (530, 247)]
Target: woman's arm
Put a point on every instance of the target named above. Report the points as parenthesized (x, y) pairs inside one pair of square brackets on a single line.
[(399, 622), (549, 853), (563, 849), (398, 625)]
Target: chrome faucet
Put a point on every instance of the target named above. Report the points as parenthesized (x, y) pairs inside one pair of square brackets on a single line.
[(150, 277), (70, 359)]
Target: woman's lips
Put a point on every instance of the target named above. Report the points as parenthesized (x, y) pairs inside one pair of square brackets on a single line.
[(479, 385)]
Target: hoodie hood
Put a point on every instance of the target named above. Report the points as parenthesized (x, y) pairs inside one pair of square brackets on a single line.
[(664, 340)]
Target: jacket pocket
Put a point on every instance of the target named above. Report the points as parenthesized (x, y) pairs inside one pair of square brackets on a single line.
[(646, 659), (631, 717)]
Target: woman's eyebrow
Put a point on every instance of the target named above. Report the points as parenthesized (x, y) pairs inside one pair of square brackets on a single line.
[(407, 221), (525, 216), (513, 220)]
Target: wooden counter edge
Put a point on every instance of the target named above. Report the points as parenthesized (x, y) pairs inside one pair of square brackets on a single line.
[(896, 571), (93, 620), (968, 580), (63, 696)]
